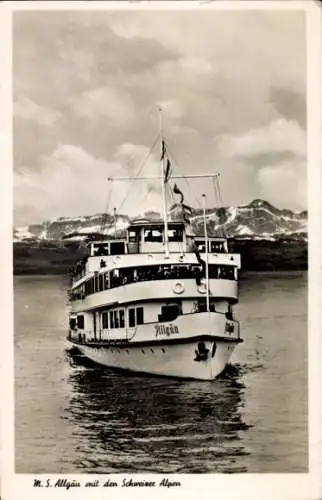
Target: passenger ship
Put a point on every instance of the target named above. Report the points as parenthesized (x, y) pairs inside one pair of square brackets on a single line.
[(159, 300)]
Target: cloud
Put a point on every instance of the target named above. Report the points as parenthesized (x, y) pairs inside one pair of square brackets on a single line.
[(278, 136), (87, 85), (72, 182), (284, 184), (115, 105), (26, 109), (290, 104), (267, 45)]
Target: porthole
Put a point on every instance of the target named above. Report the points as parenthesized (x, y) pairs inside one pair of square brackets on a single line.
[(163, 350)]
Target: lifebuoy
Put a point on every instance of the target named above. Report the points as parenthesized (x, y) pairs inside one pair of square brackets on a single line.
[(178, 287)]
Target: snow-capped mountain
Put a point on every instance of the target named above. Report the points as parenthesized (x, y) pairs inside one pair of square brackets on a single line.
[(257, 220)]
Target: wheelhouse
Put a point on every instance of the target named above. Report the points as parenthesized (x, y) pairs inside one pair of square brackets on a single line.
[(149, 237)]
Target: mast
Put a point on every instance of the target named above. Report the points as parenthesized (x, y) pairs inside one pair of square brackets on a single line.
[(207, 253), (165, 211)]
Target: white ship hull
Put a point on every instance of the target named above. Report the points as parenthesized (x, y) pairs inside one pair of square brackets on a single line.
[(166, 358)]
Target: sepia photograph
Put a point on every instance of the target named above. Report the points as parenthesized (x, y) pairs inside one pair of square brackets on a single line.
[(160, 242)]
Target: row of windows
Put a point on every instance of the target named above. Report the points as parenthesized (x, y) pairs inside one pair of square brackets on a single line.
[(213, 246), (156, 235), (116, 318), (169, 312), (149, 235), (152, 235), (109, 248), (112, 319), (120, 277)]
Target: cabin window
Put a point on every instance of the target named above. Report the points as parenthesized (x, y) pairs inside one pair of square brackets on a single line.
[(122, 322), (222, 272), (100, 250), (175, 234), (100, 282), (213, 272), (226, 272), (133, 236), (117, 248), (106, 280), (116, 319), (111, 319), (96, 283), (169, 312), (153, 235), (139, 316), (80, 321), (202, 305), (201, 246), (217, 246), (131, 317), (104, 320), (72, 323), (115, 278)]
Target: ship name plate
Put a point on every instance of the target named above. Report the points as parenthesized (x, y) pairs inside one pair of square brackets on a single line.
[(166, 330)]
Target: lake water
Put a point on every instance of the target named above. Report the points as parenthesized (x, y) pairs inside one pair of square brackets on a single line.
[(72, 419)]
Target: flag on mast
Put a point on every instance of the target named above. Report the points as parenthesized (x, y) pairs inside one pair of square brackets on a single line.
[(186, 210), (162, 150), (167, 171), (176, 190)]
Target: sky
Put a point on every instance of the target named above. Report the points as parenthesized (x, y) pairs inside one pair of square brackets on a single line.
[(87, 86)]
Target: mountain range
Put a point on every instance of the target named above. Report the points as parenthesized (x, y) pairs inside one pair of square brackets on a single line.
[(258, 220)]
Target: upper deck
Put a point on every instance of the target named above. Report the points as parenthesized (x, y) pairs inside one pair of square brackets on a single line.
[(144, 245)]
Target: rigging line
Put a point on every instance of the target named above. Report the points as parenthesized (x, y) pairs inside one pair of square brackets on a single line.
[(219, 192), (104, 216), (146, 195), (217, 203), (184, 178), (220, 204), (139, 171), (217, 199)]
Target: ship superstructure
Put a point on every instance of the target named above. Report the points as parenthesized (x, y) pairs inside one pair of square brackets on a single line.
[(159, 300)]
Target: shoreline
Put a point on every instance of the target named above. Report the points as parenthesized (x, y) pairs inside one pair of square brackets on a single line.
[(256, 256)]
